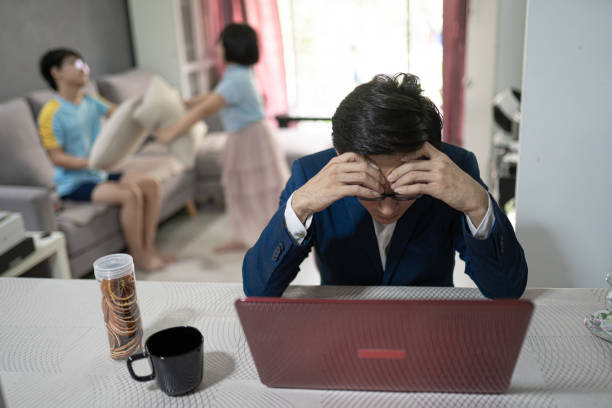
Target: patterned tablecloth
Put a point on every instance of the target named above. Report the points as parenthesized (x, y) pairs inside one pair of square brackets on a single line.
[(54, 350)]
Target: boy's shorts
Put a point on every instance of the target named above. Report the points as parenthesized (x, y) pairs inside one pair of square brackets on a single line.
[(84, 191)]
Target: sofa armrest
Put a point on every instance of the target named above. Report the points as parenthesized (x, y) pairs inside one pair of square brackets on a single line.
[(34, 204)]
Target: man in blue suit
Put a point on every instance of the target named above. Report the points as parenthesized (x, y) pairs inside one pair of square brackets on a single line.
[(389, 205)]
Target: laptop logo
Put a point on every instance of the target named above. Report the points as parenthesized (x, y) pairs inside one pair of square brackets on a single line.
[(382, 354)]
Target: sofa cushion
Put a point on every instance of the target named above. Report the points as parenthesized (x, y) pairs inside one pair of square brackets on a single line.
[(82, 263), (80, 238), (37, 100), (209, 192), (120, 136), (175, 192), (81, 213), (161, 107), (208, 162), (121, 87), (23, 160)]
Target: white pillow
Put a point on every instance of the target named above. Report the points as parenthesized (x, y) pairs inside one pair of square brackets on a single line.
[(162, 107), (185, 147), (120, 136)]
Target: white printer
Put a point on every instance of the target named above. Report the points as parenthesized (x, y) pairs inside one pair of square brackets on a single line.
[(12, 230)]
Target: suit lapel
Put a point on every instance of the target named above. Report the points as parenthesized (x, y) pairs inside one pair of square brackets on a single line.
[(404, 230), (364, 232)]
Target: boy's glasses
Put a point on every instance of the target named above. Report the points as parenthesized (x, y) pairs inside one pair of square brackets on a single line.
[(81, 65)]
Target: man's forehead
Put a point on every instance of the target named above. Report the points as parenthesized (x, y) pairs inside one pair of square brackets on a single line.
[(389, 161)]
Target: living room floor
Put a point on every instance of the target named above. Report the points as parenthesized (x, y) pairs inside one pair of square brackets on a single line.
[(192, 240)]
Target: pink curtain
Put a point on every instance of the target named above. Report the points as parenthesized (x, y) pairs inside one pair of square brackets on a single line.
[(453, 69), (237, 11), (215, 18), (263, 16)]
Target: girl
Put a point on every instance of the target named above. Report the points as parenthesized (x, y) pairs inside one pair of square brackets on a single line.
[(254, 168)]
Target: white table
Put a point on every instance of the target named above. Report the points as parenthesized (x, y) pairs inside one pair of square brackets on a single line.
[(54, 350), (53, 247)]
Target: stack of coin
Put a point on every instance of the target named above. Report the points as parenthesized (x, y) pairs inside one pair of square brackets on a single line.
[(122, 316)]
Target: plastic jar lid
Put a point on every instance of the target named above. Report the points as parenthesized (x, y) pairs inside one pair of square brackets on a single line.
[(113, 266)]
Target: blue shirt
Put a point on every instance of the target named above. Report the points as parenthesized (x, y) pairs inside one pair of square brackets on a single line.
[(244, 105), (74, 128)]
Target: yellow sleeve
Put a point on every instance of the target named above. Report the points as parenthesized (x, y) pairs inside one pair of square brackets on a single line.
[(45, 125)]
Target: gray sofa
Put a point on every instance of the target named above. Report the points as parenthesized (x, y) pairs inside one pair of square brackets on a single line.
[(26, 177), (93, 230)]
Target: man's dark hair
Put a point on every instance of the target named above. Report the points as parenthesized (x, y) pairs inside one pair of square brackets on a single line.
[(240, 44), (386, 115), (54, 58)]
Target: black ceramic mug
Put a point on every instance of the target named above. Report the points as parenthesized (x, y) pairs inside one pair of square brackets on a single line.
[(176, 356)]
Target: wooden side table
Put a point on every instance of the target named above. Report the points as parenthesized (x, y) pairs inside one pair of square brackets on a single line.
[(52, 246)]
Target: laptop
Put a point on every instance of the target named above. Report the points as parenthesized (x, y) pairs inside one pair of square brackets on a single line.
[(468, 346)]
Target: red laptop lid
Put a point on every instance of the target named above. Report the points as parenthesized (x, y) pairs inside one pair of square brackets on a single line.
[(385, 345)]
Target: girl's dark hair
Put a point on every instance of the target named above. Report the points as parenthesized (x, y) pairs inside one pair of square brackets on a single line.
[(386, 115), (54, 58), (240, 44)]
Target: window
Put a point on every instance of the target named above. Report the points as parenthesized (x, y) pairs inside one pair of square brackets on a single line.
[(193, 63), (332, 46)]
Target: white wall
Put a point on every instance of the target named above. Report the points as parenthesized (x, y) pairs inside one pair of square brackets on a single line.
[(494, 61), (564, 187), (98, 30), (154, 35), (480, 54), (510, 43)]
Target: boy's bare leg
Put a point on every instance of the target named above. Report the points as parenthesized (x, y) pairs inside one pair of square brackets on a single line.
[(151, 191), (132, 220)]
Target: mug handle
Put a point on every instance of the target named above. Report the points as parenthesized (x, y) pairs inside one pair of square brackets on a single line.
[(135, 357)]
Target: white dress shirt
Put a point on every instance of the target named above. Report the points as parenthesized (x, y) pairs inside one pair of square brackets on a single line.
[(383, 232)]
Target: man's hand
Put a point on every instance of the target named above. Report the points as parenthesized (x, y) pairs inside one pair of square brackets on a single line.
[(441, 178), (346, 175)]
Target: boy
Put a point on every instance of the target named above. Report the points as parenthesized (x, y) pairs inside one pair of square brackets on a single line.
[(68, 125)]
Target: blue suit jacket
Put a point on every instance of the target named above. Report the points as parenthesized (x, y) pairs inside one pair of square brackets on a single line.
[(421, 252)]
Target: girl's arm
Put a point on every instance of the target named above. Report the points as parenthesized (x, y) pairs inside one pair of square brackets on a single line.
[(190, 103), (212, 103)]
